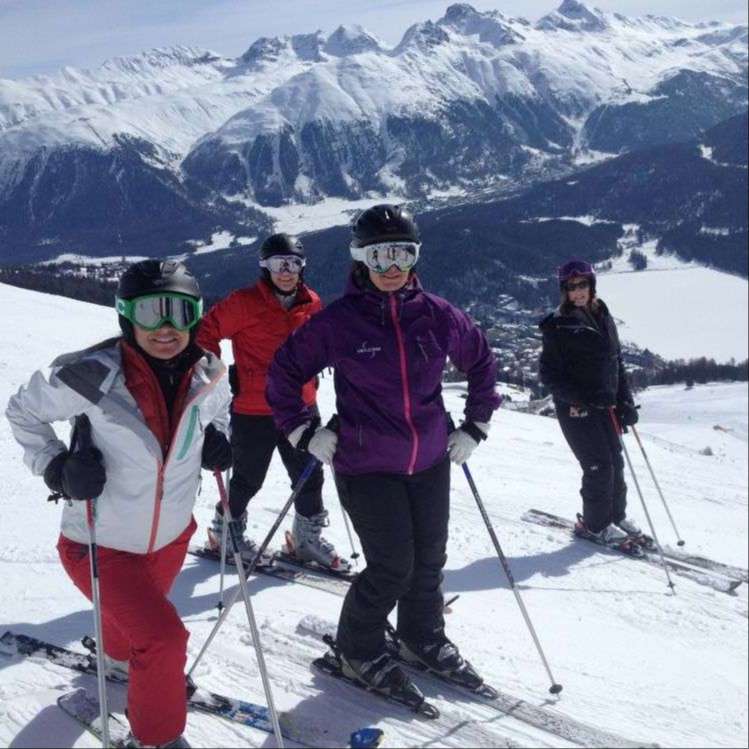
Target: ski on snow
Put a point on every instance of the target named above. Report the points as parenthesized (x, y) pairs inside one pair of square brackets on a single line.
[(542, 718), (229, 708), (279, 568), (84, 708), (709, 576)]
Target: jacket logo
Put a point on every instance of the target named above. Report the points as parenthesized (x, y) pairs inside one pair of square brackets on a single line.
[(371, 350)]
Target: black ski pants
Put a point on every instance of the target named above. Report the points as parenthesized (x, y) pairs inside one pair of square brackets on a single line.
[(253, 440), (402, 525), (596, 446)]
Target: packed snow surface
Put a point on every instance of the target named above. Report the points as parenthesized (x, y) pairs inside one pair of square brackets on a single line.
[(634, 659), (680, 310)]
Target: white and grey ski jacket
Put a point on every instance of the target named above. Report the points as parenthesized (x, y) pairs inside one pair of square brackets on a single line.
[(148, 498)]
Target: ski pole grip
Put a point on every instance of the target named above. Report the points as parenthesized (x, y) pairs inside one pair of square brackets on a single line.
[(450, 423)]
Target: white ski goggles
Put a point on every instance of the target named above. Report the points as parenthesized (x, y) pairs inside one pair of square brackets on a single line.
[(382, 256), (284, 264)]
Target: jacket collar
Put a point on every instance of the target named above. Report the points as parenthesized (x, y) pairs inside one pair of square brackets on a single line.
[(303, 295), (355, 288)]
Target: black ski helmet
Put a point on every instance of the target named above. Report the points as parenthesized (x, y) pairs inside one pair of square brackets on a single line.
[(151, 277), (384, 223), (281, 244)]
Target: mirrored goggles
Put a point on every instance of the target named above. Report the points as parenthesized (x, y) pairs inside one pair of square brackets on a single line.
[(382, 256), (284, 264), (152, 311)]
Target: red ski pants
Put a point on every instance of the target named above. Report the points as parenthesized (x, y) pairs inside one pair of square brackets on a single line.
[(141, 626)]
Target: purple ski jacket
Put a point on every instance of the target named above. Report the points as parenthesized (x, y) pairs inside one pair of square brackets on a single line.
[(389, 352)]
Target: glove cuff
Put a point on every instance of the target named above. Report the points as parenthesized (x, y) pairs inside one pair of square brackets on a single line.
[(308, 433), (53, 472), (474, 431)]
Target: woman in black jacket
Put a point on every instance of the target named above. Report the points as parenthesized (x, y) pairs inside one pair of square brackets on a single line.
[(581, 363)]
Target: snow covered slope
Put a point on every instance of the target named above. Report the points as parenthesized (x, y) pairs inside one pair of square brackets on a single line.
[(678, 310), (633, 659)]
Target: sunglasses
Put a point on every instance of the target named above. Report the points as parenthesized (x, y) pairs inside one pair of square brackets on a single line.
[(155, 310), (283, 264), (382, 256), (578, 285)]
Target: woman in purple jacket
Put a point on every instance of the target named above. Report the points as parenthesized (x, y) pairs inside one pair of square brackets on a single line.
[(389, 341)]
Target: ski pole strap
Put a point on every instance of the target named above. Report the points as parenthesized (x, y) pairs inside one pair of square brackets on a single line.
[(221, 490), (615, 421), (234, 528), (307, 435)]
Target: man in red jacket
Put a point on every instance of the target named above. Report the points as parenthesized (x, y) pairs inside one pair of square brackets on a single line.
[(258, 320)]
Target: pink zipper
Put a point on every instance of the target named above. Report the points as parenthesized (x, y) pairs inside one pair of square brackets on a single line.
[(406, 389), (162, 467)]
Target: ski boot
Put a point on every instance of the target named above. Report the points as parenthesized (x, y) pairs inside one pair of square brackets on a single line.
[(380, 675), (383, 674), (635, 533), (441, 657), (179, 743), (610, 536), (247, 547), (306, 545), (120, 670)]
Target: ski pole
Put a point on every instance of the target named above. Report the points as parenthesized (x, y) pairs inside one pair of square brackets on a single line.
[(83, 430), (354, 552), (334, 424), (680, 541), (618, 430), (555, 687), (224, 534), (251, 568), (235, 542)]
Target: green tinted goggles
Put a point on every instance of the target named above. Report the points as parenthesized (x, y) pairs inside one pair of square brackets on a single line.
[(153, 311)]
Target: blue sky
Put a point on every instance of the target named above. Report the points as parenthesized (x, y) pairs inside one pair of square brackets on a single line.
[(40, 36)]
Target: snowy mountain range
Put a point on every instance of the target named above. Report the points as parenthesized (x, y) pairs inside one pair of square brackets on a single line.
[(147, 153)]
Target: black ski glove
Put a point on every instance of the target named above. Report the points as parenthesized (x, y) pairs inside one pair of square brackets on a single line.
[(627, 414), (216, 450), (233, 380), (79, 475)]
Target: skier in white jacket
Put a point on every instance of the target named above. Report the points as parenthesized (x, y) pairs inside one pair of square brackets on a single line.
[(157, 405)]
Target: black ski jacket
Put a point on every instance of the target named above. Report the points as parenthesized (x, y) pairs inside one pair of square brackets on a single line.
[(581, 359)]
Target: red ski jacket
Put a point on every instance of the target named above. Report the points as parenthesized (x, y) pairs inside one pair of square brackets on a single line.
[(256, 323)]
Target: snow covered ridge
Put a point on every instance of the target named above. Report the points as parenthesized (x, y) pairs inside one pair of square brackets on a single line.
[(299, 117)]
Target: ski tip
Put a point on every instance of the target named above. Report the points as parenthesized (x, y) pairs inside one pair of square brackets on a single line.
[(366, 737), (428, 710)]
